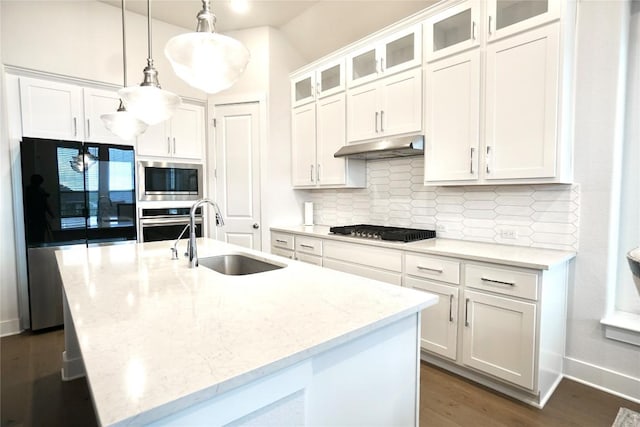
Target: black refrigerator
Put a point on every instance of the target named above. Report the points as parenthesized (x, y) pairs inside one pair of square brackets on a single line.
[(73, 194)]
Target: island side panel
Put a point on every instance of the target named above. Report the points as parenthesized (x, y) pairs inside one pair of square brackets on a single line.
[(72, 364)]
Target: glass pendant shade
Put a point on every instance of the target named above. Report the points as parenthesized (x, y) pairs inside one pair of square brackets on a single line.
[(123, 124), (151, 104), (210, 62), (205, 59), (82, 161)]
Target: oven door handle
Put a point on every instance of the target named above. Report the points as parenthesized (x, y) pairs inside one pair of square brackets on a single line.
[(159, 222)]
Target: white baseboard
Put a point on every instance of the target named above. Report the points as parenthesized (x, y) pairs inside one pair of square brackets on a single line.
[(10, 327), (609, 381)]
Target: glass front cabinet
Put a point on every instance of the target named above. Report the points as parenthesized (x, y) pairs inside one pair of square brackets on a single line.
[(507, 17), (325, 80), (454, 30), (398, 52)]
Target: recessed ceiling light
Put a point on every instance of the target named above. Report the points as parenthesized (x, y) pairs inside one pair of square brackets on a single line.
[(240, 6)]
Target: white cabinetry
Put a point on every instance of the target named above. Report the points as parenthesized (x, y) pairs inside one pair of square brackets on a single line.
[(396, 52), (301, 248), (318, 131), (368, 261), (180, 137), (65, 111), (525, 97), (327, 79), (389, 106)]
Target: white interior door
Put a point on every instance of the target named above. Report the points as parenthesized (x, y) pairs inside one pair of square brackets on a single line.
[(238, 173)]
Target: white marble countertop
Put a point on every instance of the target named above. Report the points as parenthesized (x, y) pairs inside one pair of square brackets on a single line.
[(157, 336), (517, 256)]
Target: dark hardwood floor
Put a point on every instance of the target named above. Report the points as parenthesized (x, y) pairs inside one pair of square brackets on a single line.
[(33, 394)]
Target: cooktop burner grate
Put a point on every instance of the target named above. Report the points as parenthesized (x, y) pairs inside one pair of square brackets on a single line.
[(397, 234)]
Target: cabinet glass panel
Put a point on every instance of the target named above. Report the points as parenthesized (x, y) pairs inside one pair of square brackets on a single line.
[(303, 89), (330, 78), (509, 12), (451, 31), (400, 51), (364, 65)]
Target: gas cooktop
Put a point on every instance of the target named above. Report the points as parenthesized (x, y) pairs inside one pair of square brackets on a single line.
[(397, 234)]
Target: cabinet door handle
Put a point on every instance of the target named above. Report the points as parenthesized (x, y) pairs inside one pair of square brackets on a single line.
[(311, 174), (318, 89), (307, 246), (318, 173), (174, 145), (377, 122), (490, 24), (487, 160), (75, 126), (168, 145), (382, 65), (499, 282), (381, 120), (471, 161), (473, 30), (88, 128), (450, 308), (466, 312), (435, 270)]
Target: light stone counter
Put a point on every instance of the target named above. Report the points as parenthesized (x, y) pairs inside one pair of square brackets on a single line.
[(156, 336), (517, 256)]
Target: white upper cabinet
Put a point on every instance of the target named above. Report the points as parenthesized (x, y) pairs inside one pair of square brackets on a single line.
[(507, 17), (452, 119), (389, 106), (96, 103), (51, 109), (182, 136), (454, 30), (327, 79), (318, 131), (66, 111), (522, 87), (394, 53)]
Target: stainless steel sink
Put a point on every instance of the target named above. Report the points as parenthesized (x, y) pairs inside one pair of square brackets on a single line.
[(238, 264)]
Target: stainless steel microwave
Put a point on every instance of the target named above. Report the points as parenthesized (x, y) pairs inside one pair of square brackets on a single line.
[(169, 181)]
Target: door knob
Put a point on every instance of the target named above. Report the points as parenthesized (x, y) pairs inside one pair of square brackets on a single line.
[(256, 225)]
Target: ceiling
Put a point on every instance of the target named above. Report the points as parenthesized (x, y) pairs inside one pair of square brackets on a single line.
[(182, 13), (313, 27)]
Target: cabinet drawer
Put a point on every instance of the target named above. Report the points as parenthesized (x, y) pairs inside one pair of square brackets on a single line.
[(310, 259), (282, 252), (309, 245), (364, 271), (518, 283), (383, 258), (434, 268), (282, 240)]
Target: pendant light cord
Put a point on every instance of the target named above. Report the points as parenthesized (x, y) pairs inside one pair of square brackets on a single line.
[(149, 28), (124, 47)]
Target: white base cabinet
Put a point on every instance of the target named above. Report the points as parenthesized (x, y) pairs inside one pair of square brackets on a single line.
[(497, 324)]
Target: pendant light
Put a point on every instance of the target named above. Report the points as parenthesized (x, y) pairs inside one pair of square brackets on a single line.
[(205, 59), (149, 102), (122, 123)]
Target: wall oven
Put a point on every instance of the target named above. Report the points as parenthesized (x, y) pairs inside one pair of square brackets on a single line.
[(166, 181), (166, 223)]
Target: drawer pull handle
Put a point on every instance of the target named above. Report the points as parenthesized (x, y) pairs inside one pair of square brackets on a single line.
[(435, 270), (281, 241), (466, 312), (307, 246), (499, 282), (450, 308)]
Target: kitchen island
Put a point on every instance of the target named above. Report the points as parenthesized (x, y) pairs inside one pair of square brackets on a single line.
[(164, 344)]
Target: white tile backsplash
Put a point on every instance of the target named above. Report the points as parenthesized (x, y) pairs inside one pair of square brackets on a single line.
[(544, 216)]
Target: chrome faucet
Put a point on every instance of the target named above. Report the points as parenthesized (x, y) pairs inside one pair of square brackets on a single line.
[(174, 248), (193, 250)]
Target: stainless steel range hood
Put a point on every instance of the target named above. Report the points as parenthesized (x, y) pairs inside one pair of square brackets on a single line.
[(382, 149)]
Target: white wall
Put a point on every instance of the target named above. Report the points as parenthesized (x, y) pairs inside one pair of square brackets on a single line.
[(267, 75), (83, 39), (600, 90)]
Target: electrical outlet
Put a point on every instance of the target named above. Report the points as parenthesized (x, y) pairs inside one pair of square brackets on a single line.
[(441, 228), (509, 233)]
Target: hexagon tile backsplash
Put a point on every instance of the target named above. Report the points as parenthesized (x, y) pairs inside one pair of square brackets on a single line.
[(544, 216)]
